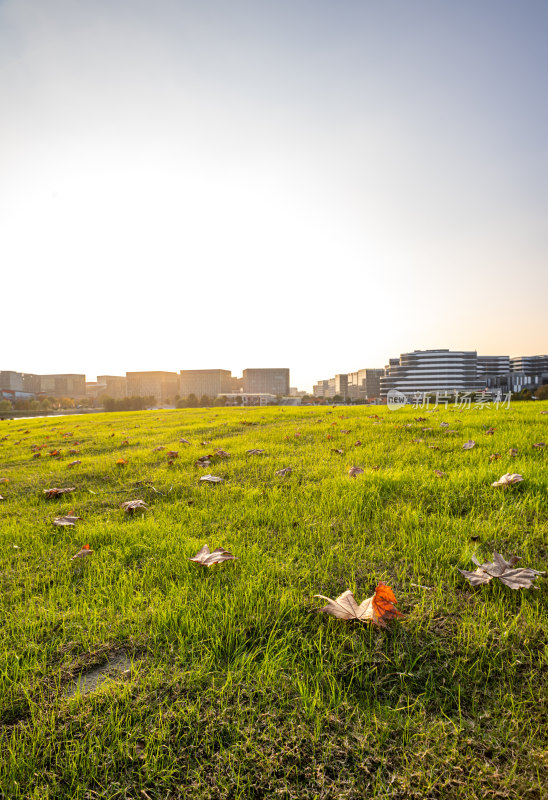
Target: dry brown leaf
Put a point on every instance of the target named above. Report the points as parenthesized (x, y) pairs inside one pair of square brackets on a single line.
[(539, 445), (433, 447), (469, 444), (336, 450), (37, 455), (133, 505), (440, 474), (73, 463), (83, 552), (172, 454), (513, 452), (211, 479), (55, 492), (490, 431), (357, 443), (157, 449), (508, 480), (521, 578), (205, 443), (4, 480), (494, 456), (207, 558), (353, 471), (121, 461), (203, 461), (67, 521), (285, 471), (254, 452), (184, 441), (74, 452), (377, 609)]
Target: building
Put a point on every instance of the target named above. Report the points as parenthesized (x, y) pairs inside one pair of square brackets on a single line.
[(115, 385), (266, 381), (321, 388), (530, 365), (63, 385), (163, 386), (11, 380), (431, 371), (365, 384), (32, 383), (490, 366), (200, 382)]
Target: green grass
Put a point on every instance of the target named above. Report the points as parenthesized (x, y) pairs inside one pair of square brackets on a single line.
[(237, 690)]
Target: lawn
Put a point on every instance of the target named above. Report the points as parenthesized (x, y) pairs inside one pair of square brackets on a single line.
[(136, 673)]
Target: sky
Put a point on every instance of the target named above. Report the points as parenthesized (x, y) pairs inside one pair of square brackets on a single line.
[(313, 184)]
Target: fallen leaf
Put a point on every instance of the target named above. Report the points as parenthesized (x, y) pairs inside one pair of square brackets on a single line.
[(160, 447), (74, 463), (357, 443), (284, 471), (37, 455), (74, 452), (121, 462), (83, 552), (222, 453), (210, 479), (513, 452), (203, 461), (184, 441), (130, 506), (4, 480), (539, 444), (494, 456), (440, 474), (254, 452), (55, 492), (206, 558), (336, 450), (490, 431), (433, 447), (377, 609), (508, 480), (521, 578), (353, 471), (469, 444), (205, 443), (172, 454), (66, 522)]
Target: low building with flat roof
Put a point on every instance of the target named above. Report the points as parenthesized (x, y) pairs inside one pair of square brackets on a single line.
[(200, 382), (163, 386), (266, 381)]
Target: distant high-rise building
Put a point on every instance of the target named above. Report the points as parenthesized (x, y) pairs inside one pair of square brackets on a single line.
[(115, 385), (530, 365), (200, 382), (365, 384), (11, 380), (163, 386), (63, 385), (447, 371), (266, 381), (490, 366)]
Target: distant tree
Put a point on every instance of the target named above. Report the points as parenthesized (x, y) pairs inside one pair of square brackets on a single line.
[(542, 392), (21, 404), (5, 406), (192, 401), (45, 404), (34, 405), (67, 402), (337, 398), (205, 401)]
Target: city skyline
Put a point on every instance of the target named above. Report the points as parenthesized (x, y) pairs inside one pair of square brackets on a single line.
[(287, 181)]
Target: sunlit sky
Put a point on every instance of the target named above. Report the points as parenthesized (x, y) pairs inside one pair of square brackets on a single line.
[(318, 184)]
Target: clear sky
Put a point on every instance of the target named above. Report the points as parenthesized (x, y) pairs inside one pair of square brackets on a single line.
[(318, 184)]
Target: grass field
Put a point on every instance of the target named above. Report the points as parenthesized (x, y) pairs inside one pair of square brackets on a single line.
[(135, 673)]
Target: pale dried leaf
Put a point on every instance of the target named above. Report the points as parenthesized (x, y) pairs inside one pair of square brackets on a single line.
[(509, 479), (285, 471), (505, 571), (130, 506), (55, 492), (67, 521), (211, 479), (83, 552), (207, 558), (354, 471), (469, 444)]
